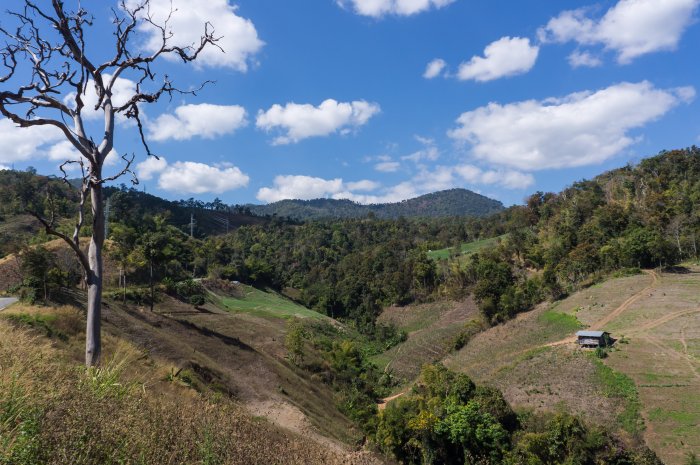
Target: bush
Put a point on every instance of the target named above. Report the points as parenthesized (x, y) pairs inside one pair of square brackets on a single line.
[(197, 300)]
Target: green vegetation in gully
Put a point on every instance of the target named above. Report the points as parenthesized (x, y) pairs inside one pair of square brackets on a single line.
[(265, 303), (621, 386)]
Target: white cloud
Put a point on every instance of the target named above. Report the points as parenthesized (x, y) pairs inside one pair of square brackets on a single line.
[(578, 59), (510, 179), (123, 90), (188, 177), (508, 56), (363, 185), (65, 151), (21, 144), (203, 120), (429, 152), (387, 166), (434, 68), (631, 28), (300, 187), (4, 168), (239, 38), (379, 8), (301, 121), (580, 129), (150, 167)]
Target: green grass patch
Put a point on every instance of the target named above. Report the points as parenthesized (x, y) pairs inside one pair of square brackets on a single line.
[(618, 385), (560, 321), (267, 304), (44, 323), (463, 249), (682, 418)]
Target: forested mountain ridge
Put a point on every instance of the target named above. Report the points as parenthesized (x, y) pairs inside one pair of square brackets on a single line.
[(451, 202)]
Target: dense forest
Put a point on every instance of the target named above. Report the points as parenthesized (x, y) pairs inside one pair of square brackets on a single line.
[(452, 202)]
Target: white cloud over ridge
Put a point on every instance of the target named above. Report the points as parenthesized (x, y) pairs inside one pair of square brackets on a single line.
[(631, 28), (379, 8), (368, 192), (301, 121), (580, 129), (508, 56), (239, 38), (202, 120)]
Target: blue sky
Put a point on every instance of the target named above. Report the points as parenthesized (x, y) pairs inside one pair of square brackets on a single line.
[(382, 100)]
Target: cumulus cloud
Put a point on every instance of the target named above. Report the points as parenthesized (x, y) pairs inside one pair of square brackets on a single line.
[(578, 59), (39, 143), (510, 179), (631, 28), (150, 167), (434, 68), (239, 38), (21, 144), (203, 120), (379, 8), (508, 56), (580, 129), (300, 187), (301, 121), (123, 90), (188, 177), (65, 151)]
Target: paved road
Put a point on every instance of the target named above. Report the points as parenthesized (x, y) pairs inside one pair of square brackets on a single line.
[(6, 302)]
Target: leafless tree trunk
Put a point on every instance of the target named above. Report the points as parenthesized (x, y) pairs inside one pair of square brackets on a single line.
[(45, 61)]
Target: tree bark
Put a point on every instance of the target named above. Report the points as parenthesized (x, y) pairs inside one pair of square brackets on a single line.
[(93, 343)]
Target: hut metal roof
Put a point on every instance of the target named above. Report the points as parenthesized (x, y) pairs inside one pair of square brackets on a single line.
[(590, 333)]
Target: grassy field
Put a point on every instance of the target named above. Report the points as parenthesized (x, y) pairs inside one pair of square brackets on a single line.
[(267, 304), (464, 249)]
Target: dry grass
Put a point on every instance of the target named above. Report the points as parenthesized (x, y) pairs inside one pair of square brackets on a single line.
[(52, 411)]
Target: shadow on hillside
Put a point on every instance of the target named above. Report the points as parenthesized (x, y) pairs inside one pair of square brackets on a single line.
[(204, 331), (677, 269)]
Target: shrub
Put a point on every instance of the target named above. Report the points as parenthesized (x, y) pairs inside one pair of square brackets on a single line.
[(197, 300)]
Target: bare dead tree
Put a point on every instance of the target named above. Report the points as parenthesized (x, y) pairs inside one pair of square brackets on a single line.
[(47, 76)]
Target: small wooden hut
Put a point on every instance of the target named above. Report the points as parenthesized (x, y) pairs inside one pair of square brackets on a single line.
[(593, 339)]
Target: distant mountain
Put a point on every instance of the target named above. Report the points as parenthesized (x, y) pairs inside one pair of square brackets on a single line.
[(452, 202)]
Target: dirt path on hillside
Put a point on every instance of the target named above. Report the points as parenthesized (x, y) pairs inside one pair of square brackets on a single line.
[(382, 404), (598, 325), (663, 320)]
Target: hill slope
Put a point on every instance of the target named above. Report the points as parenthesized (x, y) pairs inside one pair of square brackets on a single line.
[(453, 202)]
